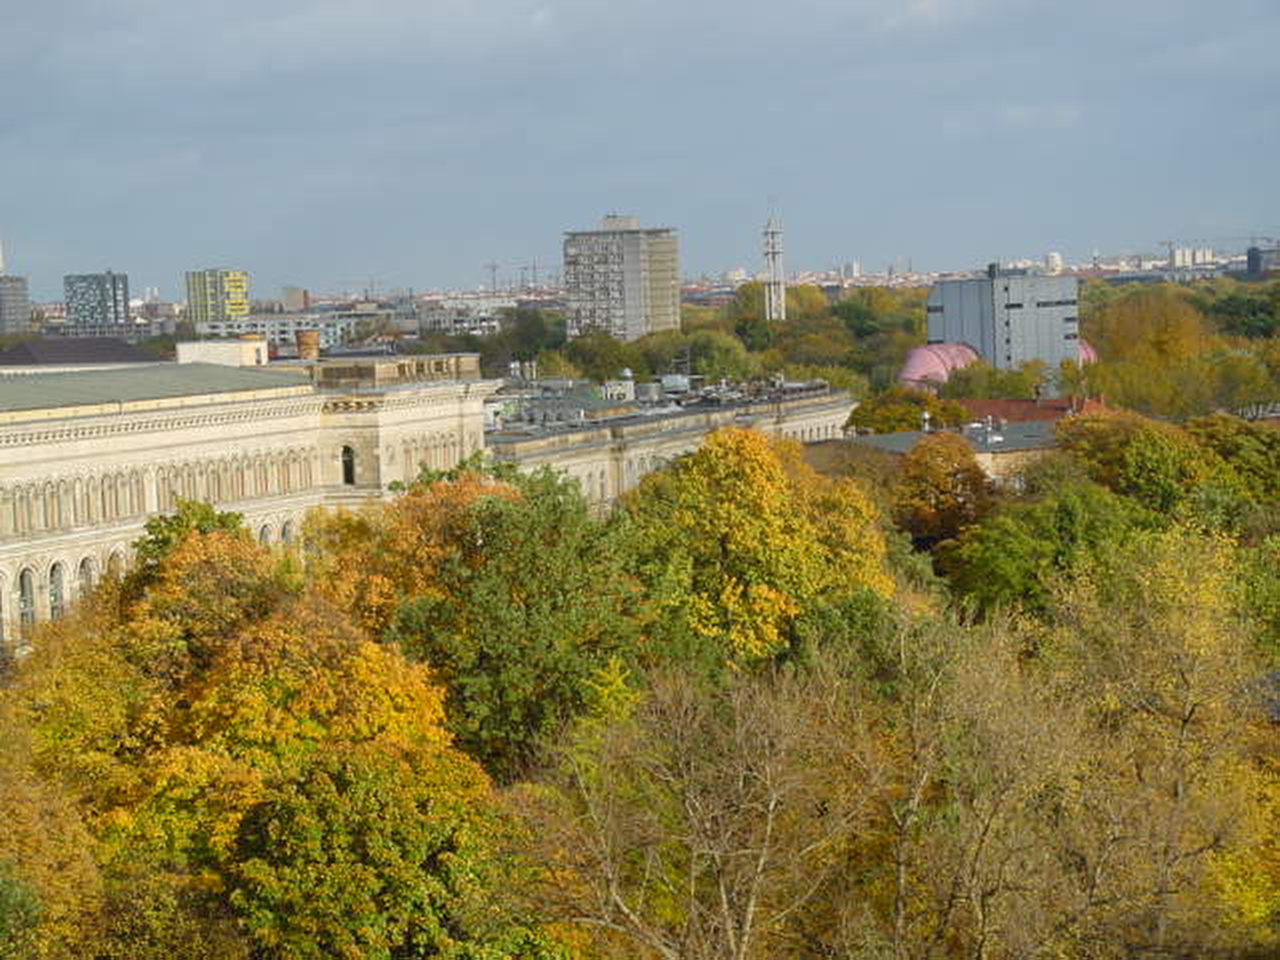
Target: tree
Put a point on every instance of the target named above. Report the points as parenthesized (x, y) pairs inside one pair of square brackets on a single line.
[(942, 490), (982, 381), (19, 914), (377, 851), (198, 720), (902, 408), (1151, 644), (1014, 555), (731, 549), (163, 533), (526, 601), (699, 821)]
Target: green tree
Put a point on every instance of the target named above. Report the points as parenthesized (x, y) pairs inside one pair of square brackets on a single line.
[(1015, 555), (528, 599), (19, 914)]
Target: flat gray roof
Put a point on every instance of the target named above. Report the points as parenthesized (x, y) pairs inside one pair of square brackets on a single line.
[(1018, 436), (141, 382)]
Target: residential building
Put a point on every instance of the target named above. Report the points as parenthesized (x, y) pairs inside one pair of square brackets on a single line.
[(334, 327), (1008, 317), (97, 303), (15, 305), (217, 295), (1263, 260), (623, 280)]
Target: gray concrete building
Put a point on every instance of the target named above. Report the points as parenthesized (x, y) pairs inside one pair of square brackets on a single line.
[(15, 305), (96, 301), (622, 279), (1008, 317)]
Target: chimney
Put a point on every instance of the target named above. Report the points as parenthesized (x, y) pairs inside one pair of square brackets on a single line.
[(308, 344)]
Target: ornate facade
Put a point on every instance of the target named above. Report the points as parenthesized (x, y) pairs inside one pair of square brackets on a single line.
[(86, 458), (79, 478)]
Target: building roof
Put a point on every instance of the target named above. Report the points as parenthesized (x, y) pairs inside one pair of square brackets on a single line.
[(1048, 408), (1011, 438), (65, 350), (153, 381), (935, 362)]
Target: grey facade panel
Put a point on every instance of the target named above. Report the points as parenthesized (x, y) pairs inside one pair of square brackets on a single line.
[(1008, 319)]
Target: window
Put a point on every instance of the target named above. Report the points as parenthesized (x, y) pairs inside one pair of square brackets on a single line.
[(264, 534), (348, 466), (85, 576), (57, 592), (1071, 336), (933, 308), (26, 600), (1013, 306)]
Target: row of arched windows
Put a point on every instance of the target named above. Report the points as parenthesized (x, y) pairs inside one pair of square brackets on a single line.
[(439, 451), (56, 505), (236, 478), (21, 605), (85, 501)]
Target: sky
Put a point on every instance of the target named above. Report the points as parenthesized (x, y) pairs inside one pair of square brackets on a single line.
[(331, 143)]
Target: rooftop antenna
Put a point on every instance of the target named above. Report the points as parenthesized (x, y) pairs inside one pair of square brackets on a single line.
[(775, 286), (493, 276)]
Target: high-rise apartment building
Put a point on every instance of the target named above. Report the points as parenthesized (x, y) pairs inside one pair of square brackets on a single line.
[(622, 279), (96, 302), (217, 295), (15, 305), (1008, 317)]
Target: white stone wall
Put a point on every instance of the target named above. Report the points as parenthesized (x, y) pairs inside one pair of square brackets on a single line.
[(76, 493)]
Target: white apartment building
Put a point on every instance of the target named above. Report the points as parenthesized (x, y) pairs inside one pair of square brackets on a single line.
[(622, 279)]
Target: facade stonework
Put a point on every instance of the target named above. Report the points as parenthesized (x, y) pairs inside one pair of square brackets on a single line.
[(79, 481)]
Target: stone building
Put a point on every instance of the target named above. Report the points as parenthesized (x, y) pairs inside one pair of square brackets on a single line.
[(86, 457)]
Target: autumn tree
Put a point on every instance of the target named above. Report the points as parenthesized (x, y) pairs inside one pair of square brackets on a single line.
[(1152, 645), (902, 408), (731, 547), (697, 821), (943, 489), (186, 716)]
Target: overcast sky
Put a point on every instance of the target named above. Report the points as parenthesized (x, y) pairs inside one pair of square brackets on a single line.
[(327, 142)]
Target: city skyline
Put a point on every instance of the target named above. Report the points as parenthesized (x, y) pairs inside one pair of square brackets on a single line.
[(321, 146)]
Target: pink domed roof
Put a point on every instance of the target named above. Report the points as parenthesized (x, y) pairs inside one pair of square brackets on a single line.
[(935, 361)]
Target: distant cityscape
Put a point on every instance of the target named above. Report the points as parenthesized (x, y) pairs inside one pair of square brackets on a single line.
[(620, 278)]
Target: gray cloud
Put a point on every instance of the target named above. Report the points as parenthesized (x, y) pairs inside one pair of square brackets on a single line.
[(316, 141)]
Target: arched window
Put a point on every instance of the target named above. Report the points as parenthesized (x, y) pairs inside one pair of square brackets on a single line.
[(348, 466), (57, 592), (115, 564), (264, 534), (85, 575), (286, 532), (26, 600)]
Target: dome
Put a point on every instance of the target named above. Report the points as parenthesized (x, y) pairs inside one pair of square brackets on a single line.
[(934, 362)]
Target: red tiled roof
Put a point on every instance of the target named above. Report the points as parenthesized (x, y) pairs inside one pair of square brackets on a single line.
[(1018, 411)]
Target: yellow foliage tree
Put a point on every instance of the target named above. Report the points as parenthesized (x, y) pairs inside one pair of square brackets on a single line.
[(740, 536)]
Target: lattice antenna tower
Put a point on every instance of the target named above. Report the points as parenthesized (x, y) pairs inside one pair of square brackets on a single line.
[(775, 285)]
